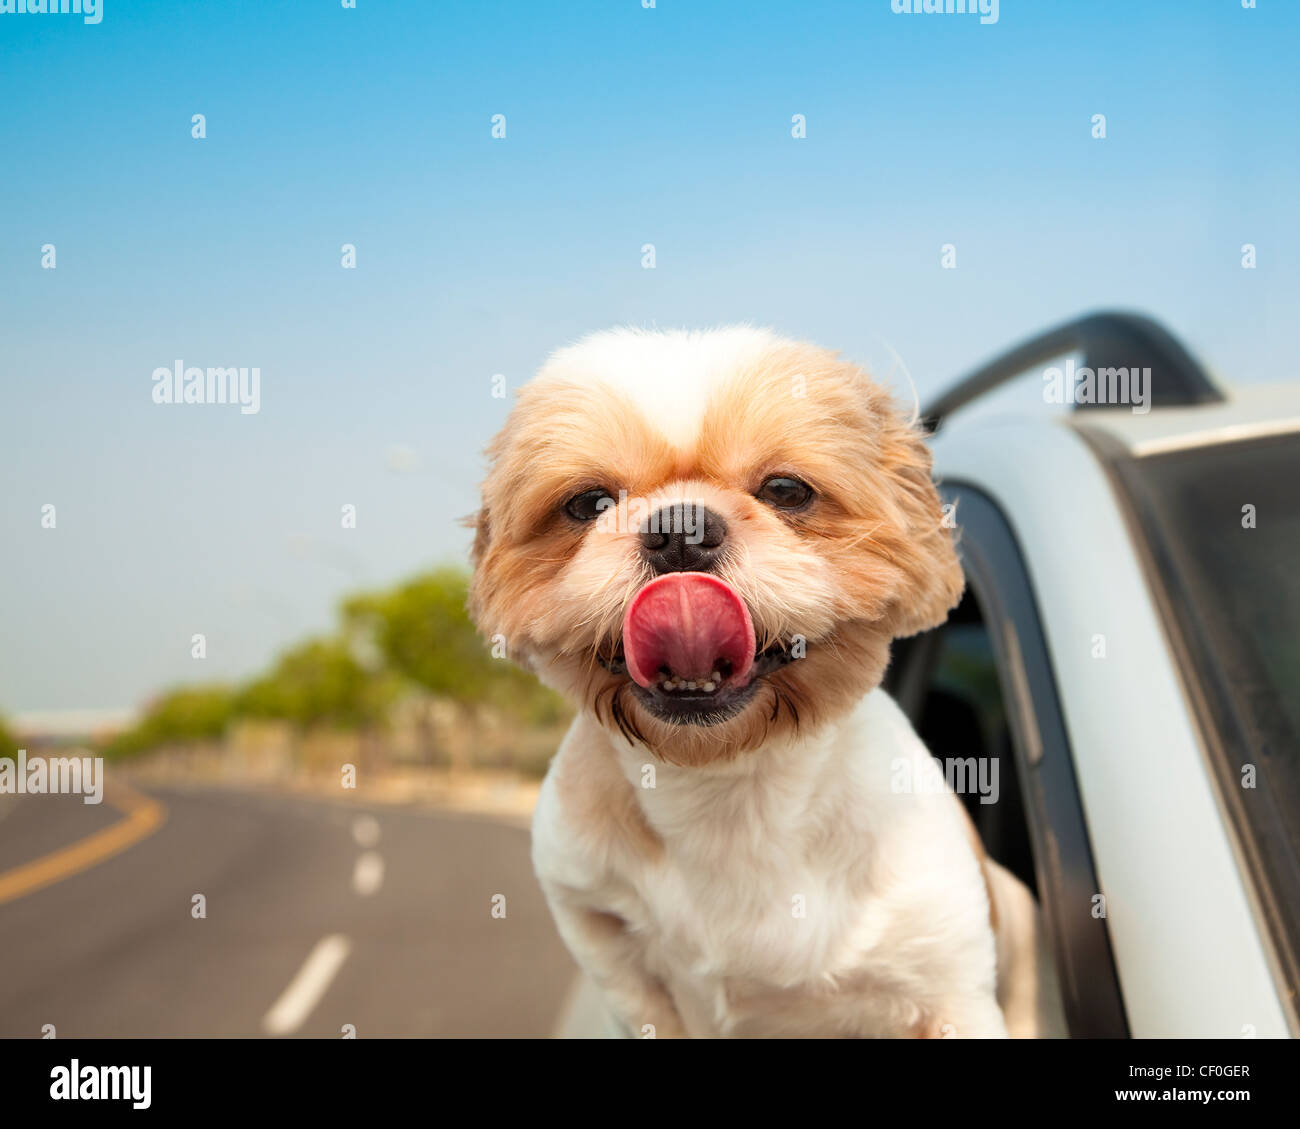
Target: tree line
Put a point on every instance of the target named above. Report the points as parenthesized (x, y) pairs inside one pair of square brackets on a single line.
[(415, 636)]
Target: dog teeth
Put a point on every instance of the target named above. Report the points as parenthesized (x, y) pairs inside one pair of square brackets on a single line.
[(708, 686)]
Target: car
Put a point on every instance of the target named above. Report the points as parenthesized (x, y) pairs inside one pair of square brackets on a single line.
[(1129, 647), (1120, 680)]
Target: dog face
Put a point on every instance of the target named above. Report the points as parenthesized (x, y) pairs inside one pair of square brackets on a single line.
[(708, 540)]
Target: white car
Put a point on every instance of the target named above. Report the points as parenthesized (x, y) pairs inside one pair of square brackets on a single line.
[(1129, 646), (1122, 678)]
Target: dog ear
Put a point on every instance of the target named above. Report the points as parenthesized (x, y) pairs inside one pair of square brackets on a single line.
[(478, 522), (925, 551)]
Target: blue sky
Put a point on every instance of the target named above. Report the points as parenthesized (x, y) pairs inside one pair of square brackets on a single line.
[(478, 256)]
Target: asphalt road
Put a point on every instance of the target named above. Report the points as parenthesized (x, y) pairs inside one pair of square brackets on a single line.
[(318, 915)]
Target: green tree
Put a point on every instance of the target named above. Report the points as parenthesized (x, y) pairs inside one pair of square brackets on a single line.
[(8, 742), (319, 682), (424, 633), (417, 633), (181, 716)]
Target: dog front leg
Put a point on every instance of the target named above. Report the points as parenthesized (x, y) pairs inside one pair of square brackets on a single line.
[(615, 959)]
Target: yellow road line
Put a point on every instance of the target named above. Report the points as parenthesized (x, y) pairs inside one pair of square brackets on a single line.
[(143, 817)]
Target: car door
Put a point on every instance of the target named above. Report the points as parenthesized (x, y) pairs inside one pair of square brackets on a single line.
[(982, 686)]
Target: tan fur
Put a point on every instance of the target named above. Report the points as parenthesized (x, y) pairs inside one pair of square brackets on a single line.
[(596, 797), (977, 845), (678, 899), (872, 553)]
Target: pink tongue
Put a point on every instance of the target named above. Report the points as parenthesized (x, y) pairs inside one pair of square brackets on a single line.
[(688, 623)]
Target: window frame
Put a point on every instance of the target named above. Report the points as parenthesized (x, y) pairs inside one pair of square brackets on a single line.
[(1263, 843), (1063, 860)]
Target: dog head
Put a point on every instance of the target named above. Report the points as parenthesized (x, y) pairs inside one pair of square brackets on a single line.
[(708, 540)]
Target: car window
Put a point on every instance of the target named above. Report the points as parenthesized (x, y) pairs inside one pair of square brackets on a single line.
[(963, 722), (982, 686)]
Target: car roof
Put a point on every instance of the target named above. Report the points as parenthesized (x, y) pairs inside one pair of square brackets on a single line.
[(1248, 411), (1182, 408)]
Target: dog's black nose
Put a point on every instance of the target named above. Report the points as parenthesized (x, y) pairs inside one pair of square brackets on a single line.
[(683, 538)]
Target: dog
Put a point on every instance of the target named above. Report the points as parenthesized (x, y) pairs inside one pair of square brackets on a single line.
[(707, 541)]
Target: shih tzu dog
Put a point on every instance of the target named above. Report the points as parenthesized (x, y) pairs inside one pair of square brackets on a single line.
[(707, 541)]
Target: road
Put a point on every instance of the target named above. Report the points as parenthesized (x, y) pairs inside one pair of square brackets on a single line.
[(318, 915)]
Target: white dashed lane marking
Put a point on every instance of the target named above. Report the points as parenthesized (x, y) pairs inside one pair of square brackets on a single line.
[(368, 874), (305, 990), (365, 830)]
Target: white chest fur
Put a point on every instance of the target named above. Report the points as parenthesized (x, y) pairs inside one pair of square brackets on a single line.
[(796, 890)]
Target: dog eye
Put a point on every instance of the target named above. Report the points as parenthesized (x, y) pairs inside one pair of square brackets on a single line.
[(588, 505), (785, 493)]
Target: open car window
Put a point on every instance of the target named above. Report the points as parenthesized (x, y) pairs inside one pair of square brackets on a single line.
[(982, 686)]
